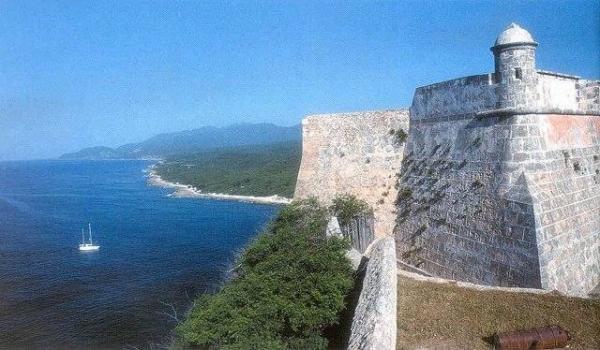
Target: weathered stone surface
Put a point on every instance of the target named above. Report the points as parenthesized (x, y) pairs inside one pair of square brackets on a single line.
[(499, 201), (498, 183), (355, 258), (566, 198), (374, 322), (500, 179), (353, 153), (333, 228), (360, 231), (516, 86)]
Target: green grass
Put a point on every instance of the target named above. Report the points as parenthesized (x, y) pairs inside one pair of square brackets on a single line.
[(251, 170)]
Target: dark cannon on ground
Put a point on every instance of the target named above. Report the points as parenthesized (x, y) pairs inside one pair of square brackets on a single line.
[(549, 337)]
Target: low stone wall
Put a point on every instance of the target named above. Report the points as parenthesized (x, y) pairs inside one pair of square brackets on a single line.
[(468, 285), (548, 92), (454, 97), (360, 232), (374, 324)]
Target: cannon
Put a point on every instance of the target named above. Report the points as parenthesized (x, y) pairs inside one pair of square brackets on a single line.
[(549, 337)]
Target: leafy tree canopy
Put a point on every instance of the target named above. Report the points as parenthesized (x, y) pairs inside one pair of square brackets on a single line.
[(291, 285)]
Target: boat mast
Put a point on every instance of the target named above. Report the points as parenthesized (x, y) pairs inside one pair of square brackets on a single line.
[(82, 237), (90, 228)]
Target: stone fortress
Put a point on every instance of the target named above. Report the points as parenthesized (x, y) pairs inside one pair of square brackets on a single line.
[(497, 183)]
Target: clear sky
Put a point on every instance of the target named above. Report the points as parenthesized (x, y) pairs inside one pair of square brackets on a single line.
[(86, 73)]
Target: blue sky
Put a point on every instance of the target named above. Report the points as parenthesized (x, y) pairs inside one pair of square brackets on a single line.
[(77, 74)]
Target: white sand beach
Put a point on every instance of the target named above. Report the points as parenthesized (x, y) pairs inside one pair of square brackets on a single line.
[(187, 191)]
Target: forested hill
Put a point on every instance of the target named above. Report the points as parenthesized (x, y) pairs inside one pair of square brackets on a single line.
[(262, 170), (190, 141)]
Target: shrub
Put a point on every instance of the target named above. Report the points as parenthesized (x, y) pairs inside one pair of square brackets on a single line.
[(400, 136), (292, 284), (347, 206), (404, 194)]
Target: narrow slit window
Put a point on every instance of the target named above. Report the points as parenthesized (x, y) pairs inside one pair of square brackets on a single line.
[(518, 73)]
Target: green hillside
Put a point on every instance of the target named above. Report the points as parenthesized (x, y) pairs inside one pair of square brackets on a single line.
[(262, 170)]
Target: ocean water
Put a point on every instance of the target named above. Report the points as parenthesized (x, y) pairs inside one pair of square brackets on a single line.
[(156, 251)]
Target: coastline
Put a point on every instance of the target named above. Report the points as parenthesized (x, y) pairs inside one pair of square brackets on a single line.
[(187, 191)]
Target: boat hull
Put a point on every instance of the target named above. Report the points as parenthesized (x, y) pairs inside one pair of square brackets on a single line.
[(88, 247)]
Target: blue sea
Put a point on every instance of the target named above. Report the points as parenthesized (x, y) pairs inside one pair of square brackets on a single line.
[(156, 252)]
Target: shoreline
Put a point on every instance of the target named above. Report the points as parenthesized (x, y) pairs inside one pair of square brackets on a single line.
[(188, 191)]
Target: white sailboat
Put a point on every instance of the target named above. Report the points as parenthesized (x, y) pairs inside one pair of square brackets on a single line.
[(87, 246)]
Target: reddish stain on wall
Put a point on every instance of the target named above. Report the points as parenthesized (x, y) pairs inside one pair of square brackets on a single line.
[(570, 131)]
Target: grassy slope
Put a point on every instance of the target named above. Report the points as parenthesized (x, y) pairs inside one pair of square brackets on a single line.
[(251, 170), (446, 316)]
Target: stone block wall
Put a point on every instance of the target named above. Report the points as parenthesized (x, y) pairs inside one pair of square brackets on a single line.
[(588, 95), (558, 91), (454, 97), (463, 212), (354, 153), (565, 187), (536, 92), (490, 200), (516, 76), (374, 324)]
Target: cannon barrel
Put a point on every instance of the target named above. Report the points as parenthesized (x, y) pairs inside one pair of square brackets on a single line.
[(549, 337)]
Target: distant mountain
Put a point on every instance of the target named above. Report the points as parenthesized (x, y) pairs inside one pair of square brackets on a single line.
[(190, 141), (99, 152)]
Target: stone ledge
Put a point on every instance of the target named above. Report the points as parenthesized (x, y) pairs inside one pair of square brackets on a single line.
[(374, 324), (468, 285), (509, 111)]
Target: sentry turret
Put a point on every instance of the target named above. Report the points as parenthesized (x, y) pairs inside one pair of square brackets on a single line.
[(515, 71)]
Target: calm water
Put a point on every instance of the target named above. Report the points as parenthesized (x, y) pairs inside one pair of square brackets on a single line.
[(154, 250)]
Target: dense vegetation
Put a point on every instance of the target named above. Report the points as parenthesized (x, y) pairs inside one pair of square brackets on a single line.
[(291, 286), (347, 206), (251, 170)]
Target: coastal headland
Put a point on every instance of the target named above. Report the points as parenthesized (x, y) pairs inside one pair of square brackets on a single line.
[(188, 191)]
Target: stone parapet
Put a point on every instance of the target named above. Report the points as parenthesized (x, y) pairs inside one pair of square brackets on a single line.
[(374, 324)]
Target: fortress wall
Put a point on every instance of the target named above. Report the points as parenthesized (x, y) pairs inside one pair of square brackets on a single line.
[(547, 92), (353, 153), (480, 197), (454, 97), (567, 203), (589, 96), (557, 92), (565, 94), (374, 323), (464, 212)]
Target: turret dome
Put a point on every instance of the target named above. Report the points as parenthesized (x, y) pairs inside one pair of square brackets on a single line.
[(514, 35)]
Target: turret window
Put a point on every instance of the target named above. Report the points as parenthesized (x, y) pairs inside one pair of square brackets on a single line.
[(518, 73)]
